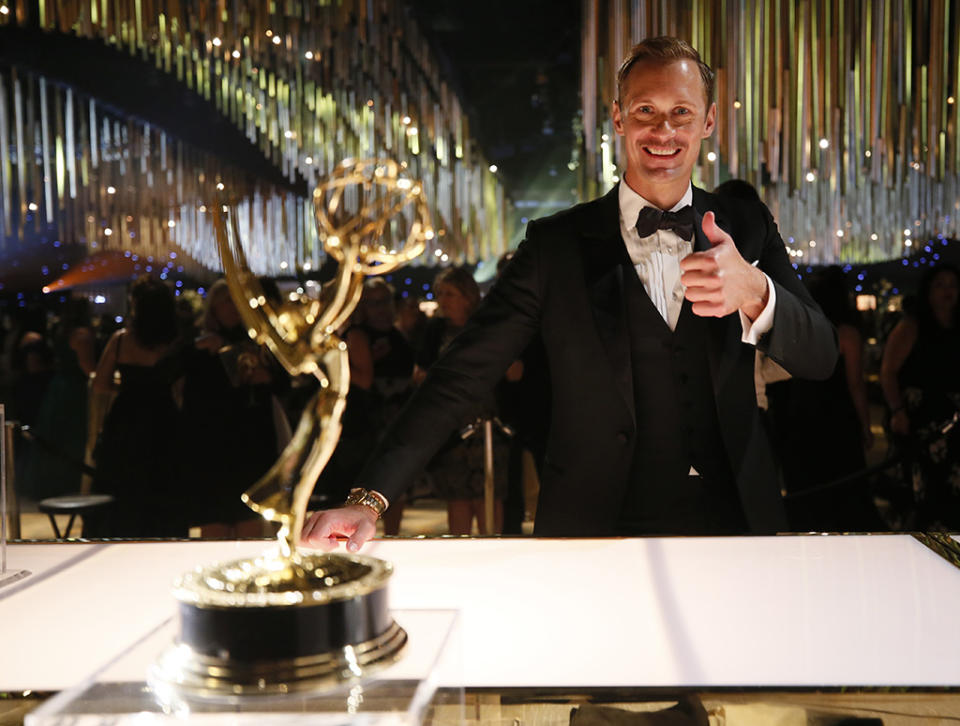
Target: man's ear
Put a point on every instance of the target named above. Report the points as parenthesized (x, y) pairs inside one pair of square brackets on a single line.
[(710, 122), (617, 120)]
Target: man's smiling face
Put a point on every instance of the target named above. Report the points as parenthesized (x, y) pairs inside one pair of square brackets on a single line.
[(663, 116)]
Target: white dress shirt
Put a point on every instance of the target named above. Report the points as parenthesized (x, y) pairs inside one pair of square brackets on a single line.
[(657, 261)]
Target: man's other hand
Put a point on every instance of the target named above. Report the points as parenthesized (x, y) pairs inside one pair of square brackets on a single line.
[(719, 281), (357, 522)]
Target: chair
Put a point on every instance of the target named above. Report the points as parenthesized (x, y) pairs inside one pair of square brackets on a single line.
[(73, 505)]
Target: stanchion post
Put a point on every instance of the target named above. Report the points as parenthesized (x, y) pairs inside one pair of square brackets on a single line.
[(3, 490), (7, 482), (13, 501), (488, 525)]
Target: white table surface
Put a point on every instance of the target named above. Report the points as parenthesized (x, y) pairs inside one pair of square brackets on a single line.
[(773, 611)]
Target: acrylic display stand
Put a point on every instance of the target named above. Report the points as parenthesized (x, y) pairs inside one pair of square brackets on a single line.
[(403, 693), (7, 576)]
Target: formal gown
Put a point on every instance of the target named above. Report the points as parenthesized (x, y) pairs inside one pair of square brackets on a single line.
[(137, 460), (930, 383), (228, 437)]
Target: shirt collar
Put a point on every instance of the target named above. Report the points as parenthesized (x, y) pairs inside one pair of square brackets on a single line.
[(631, 203)]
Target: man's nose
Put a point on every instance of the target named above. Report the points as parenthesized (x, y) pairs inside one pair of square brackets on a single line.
[(662, 126)]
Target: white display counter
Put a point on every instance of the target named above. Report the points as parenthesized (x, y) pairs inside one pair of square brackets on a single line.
[(795, 611)]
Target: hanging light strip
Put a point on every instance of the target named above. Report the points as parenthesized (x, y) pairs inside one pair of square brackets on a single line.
[(842, 114), (120, 184)]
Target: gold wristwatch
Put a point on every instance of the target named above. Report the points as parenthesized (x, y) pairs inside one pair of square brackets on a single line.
[(368, 498)]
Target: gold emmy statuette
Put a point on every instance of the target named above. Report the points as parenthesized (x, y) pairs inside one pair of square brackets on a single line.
[(287, 620)]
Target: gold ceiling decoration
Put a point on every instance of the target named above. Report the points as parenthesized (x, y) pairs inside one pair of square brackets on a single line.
[(115, 183), (309, 83), (842, 112)]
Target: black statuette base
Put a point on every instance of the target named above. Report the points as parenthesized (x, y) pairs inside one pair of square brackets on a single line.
[(267, 633), (264, 627)]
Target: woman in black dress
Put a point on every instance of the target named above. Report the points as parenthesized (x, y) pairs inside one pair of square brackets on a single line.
[(823, 427), (136, 455), (920, 375), (231, 433)]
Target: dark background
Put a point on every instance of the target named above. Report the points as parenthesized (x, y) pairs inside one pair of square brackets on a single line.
[(516, 65)]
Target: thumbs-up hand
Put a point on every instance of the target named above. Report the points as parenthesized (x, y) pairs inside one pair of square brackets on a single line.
[(719, 281)]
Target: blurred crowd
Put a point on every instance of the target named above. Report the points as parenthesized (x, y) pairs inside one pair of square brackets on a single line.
[(174, 412)]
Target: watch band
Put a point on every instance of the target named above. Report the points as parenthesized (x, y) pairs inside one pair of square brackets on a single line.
[(367, 498)]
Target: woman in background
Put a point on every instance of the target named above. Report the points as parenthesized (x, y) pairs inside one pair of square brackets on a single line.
[(62, 420), (458, 469), (232, 425), (392, 362), (920, 376), (136, 456), (823, 427)]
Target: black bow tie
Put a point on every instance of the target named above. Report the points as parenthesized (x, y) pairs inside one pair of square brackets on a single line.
[(680, 222)]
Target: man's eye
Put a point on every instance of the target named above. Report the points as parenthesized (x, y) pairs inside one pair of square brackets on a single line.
[(682, 111), (644, 109)]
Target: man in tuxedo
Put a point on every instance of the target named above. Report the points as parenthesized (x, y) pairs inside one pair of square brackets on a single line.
[(650, 302)]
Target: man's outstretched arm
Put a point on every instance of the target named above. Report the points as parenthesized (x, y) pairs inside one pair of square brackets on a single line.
[(497, 334)]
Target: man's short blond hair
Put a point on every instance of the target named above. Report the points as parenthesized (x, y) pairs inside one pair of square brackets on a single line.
[(662, 50)]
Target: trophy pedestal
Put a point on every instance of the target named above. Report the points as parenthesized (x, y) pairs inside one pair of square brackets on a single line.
[(279, 625), (404, 692)]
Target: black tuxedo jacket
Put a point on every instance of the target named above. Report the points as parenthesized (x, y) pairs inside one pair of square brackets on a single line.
[(565, 283)]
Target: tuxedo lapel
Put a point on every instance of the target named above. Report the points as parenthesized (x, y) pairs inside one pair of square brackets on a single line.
[(605, 261), (725, 332), (703, 203)]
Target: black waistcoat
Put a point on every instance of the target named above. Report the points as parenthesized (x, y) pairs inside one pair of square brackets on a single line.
[(677, 427)]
